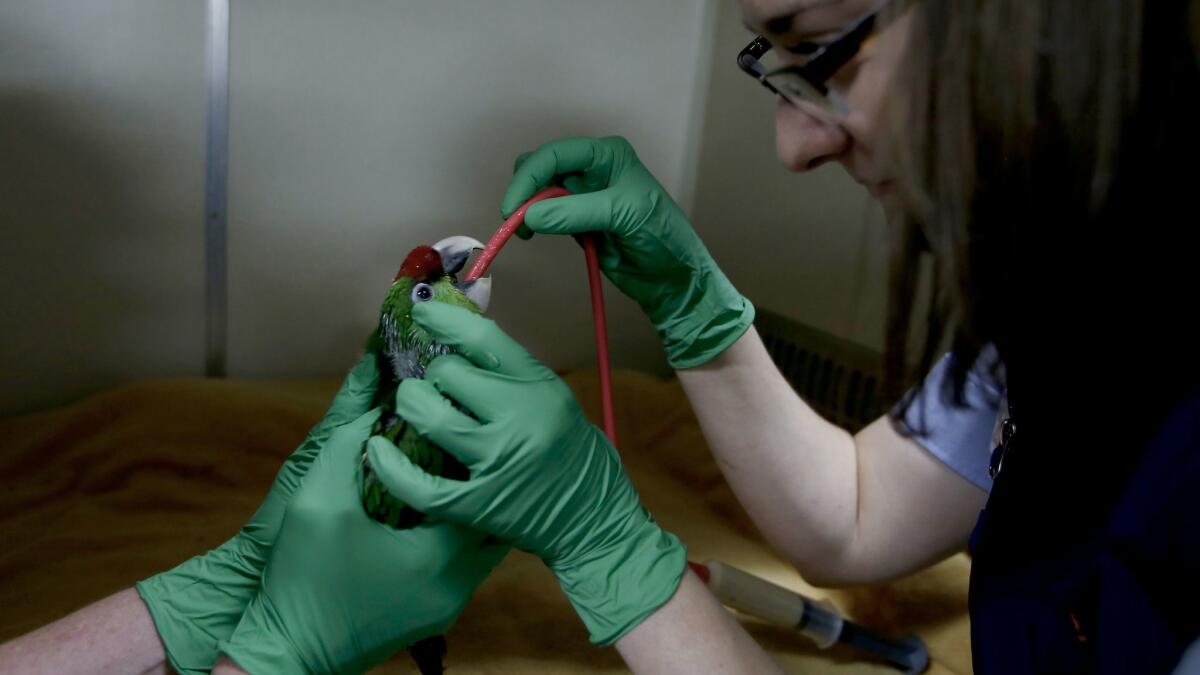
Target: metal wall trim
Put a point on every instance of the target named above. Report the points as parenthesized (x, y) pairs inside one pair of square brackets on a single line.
[(216, 249)]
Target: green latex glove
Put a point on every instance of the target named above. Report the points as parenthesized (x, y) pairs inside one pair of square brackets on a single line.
[(342, 592), (199, 602), (542, 477), (649, 249)]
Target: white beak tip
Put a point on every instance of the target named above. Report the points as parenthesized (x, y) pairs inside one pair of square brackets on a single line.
[(479, 292)]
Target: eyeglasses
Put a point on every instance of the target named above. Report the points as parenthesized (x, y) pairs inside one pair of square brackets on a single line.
[(807, 85)]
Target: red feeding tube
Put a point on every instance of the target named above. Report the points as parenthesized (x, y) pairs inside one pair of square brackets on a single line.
[(588, 242), (507, 229)]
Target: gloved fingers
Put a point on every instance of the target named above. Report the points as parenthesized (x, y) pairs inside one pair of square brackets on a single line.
[(521, 160), (363, 423), (479, 390), (332, 478), (355, 397), (408, 482), (573, 214), (352, 400), (479, 339), (347, 440), (540, 168), (572, 182), (609, 253), (435, 418)]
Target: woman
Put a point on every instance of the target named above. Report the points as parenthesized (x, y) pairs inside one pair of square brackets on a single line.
[(1034, 156), (1040, 151), (1047, 174)]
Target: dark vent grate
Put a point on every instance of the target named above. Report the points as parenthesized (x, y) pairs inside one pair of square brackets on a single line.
[(838, 378)]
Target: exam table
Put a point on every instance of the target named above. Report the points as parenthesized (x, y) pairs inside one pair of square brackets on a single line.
[(133, 480)]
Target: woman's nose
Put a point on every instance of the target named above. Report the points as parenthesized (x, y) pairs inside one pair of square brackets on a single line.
[(804, 141)]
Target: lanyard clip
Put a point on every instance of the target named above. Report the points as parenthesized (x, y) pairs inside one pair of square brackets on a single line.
[(1007, 432)]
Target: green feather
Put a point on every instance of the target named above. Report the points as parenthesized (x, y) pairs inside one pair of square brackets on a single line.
[(397, 334)]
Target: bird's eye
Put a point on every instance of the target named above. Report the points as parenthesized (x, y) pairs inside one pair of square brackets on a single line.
[(422, 293)]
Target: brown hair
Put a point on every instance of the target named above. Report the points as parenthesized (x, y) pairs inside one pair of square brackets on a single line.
[(1039, 149)]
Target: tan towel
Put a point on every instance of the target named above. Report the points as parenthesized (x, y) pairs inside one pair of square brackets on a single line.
[(132, 481)]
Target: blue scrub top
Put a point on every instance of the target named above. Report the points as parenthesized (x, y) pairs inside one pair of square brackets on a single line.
[(962, 438)]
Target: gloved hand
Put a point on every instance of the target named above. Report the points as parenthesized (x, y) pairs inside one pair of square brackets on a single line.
[(542, 477), (648, 248), (199, 602), (341, 592)]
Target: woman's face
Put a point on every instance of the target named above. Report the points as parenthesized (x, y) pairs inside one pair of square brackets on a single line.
[(804, 141)]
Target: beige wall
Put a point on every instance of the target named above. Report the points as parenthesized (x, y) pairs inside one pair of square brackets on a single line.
[(358, 130), (101, 184), (357, 135), (809, 246)]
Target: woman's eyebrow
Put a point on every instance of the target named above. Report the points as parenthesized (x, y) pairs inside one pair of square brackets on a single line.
[(782, 24)]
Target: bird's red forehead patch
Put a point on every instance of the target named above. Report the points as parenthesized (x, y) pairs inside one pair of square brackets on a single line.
[(423, 263)]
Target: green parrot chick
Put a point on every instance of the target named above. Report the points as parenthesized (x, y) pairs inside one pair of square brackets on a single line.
[(403, 350)]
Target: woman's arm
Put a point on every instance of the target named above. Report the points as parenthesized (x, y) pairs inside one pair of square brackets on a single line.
[(692, 633), (844, 508), (114, 635)]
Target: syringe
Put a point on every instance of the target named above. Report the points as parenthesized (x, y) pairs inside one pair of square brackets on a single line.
[(819, 620)]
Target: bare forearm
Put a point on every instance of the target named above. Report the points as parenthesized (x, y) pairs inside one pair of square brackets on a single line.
[(692, 633), (794, 472), (114, 635), (845, 509), (226, 666)]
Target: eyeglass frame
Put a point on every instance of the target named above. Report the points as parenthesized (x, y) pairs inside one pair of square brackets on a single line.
[(825, 59)]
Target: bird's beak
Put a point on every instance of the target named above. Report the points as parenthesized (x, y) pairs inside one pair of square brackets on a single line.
[(455, 251), (479, 291)]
